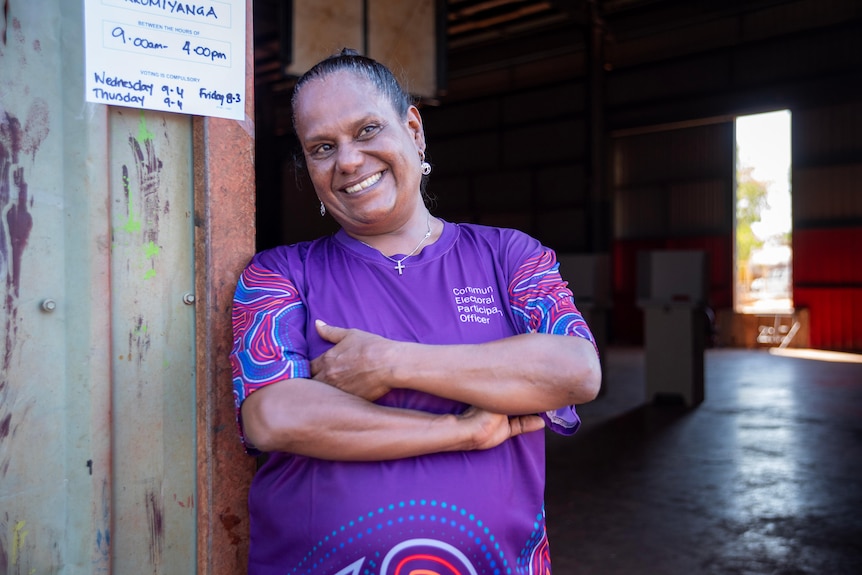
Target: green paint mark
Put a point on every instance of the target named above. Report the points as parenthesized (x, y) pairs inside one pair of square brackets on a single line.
[(151, 250), (19, 536), (132, 225), (143, 133), (150, 274)]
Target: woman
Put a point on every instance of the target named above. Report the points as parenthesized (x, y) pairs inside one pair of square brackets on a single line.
[(393, 371)]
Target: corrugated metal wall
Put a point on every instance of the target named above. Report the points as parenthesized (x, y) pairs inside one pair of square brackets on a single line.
[(672, 189), (517, 161), (804, 56), (669, 187), (97, 396), (827, 218), (675, 189)]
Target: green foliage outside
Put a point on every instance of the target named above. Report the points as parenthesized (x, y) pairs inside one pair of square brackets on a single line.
[(750, 202)]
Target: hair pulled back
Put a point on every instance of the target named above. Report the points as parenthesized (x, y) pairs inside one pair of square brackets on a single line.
[(351, 61), (381, 78)]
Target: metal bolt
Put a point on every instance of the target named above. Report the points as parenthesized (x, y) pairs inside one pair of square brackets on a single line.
[(49, 305), (189, 299)]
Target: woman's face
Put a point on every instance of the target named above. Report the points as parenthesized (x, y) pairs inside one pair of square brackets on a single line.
[(363, 159)]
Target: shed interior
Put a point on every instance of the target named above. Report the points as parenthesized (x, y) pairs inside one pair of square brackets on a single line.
[(607, 127)]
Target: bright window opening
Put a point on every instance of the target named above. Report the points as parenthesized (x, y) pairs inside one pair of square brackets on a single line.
[(763, 225)]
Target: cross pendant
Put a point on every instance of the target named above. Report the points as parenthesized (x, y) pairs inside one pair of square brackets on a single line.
[(399, 267)]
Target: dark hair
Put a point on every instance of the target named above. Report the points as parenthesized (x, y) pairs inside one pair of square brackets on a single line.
[(379, 75), (372, 70)]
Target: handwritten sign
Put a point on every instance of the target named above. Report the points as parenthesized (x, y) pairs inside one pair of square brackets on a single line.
[(173, 56)]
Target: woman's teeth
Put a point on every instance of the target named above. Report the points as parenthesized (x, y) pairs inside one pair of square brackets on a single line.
[(364, 184)]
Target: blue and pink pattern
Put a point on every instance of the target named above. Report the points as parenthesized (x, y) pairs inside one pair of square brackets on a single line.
[(265, 306), (540, 297)]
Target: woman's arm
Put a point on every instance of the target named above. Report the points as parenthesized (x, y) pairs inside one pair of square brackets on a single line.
[(527, 373), (311, 418)]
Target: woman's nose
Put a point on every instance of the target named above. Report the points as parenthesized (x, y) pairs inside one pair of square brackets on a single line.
[(349, 158)]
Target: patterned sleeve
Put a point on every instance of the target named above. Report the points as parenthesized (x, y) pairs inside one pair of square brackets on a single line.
[(541, 299), (268, 322)]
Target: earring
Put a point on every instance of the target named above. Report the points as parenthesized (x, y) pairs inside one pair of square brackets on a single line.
[(322, 210), (424, 166)]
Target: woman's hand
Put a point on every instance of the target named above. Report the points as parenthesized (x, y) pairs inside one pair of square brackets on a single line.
[(356, 363), (492, 429)]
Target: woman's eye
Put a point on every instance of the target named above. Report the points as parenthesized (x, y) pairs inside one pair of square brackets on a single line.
[(369, 130), (322, 150)]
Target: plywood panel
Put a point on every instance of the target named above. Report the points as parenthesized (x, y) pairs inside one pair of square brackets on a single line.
[(321, 28), (402, 35)]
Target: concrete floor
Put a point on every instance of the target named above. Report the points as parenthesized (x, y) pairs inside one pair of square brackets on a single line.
[(764, 477)]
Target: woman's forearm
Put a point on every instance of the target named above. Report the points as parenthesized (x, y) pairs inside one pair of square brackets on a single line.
[(308, 417), (528, 373)]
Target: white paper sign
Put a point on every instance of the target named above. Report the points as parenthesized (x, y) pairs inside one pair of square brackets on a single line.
[(185, 57)]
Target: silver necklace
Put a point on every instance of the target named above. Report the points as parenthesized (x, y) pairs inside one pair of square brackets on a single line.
[(399, 264)]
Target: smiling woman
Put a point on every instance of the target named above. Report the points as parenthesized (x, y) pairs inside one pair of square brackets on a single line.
[(364, 156), (401, 406)]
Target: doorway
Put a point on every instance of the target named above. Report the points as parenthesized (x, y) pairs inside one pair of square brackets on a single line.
[(763, 222)]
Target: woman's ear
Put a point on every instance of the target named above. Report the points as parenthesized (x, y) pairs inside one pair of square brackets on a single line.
[(414, 124)]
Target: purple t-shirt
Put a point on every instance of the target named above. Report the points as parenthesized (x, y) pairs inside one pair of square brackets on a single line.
[(476, 512)]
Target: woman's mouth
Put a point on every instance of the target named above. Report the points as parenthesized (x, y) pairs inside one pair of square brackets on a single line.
[(366, 183)]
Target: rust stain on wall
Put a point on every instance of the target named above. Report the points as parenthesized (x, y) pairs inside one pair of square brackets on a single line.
[(230, 521)]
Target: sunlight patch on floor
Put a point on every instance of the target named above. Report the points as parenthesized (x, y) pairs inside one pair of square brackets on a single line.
[(817, 354)]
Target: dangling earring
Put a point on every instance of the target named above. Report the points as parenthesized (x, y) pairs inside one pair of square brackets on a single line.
[(425, 166), (322, 210)]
